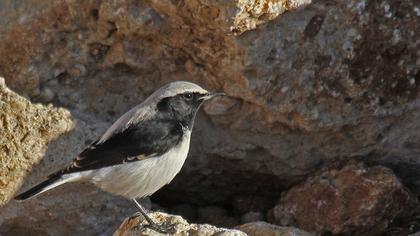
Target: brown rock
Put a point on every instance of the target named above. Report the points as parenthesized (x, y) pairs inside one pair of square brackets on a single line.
[(32, 140), (136, 227), (350, 199), (261, 228), (337, 79)]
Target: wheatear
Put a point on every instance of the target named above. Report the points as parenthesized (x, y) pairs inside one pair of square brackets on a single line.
[(141, 152)]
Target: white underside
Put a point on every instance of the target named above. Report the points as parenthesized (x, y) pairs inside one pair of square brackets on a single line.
[(142, 178)]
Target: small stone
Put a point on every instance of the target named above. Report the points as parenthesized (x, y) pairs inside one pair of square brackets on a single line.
[(263, 228), (251, 217)]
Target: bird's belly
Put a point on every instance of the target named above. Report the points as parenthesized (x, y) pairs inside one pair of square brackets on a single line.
[(142, 178)]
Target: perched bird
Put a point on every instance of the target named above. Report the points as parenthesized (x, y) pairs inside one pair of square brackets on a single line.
[(141, 152)]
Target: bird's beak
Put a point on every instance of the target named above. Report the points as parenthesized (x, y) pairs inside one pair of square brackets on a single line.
[(211, 95)]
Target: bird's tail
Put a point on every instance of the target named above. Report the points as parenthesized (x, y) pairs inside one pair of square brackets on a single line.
[(51, 182)]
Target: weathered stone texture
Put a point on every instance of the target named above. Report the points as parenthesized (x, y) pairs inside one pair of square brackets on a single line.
[(25, 130), (352, 199), (135, 227), (335, 80)]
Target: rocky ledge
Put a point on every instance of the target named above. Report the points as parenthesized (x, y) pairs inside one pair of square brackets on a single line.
[(134, 226)]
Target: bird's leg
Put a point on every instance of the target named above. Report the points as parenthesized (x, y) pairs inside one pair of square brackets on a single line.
[(161, 228)]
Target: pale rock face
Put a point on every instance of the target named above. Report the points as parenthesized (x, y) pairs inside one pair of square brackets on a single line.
[(260, 228), (135, 227), (26, 129)]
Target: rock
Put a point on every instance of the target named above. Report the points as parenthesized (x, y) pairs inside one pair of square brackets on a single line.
[(31, 142), (26, 129), (251, 217), (348, 199), (261, 228), (335, 80), (65, 210), (135, 227), (250, 14)]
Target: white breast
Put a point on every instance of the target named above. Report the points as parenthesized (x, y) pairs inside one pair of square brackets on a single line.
[(143, 178)]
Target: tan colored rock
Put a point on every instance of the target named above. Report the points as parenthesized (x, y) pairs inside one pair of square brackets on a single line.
[(26, 129), (251, 13), (134, 227), (70, 209), (349, 199), (261, 228), (35, 141)]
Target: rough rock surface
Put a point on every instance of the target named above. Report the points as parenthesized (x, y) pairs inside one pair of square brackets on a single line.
[(261, 228), (91, 57), (336, 80), (134, 227), (25, 130), (352, 199), (250, 13), (71, 209)]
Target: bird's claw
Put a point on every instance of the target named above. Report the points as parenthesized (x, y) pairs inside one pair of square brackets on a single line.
[(134, 216), (162, 228)]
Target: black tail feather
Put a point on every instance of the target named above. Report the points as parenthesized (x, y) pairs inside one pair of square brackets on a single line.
[(37, 189)]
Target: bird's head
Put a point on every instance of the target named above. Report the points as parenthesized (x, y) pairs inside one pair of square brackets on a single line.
[(181, 100)]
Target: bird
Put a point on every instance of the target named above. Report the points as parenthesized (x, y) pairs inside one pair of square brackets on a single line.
[(140, 152)]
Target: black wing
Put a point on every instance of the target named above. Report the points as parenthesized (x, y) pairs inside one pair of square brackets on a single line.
[(137, 142)]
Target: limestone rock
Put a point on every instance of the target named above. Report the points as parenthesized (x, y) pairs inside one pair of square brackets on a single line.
[(37, 140), (134, 227), (250, 14), (261, 228), (26, 129), (70, 209), (349, 199)]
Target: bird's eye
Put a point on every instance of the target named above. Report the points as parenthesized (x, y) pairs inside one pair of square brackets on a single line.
[(188, 96)]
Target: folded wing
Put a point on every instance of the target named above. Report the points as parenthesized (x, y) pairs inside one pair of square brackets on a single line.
[(136, 142)]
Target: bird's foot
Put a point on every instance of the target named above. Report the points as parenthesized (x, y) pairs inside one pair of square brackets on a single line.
[(164, 228), (134, 216)]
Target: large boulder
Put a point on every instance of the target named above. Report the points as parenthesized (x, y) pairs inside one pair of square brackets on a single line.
[(26, 129), (351, 199), (31, 149)]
